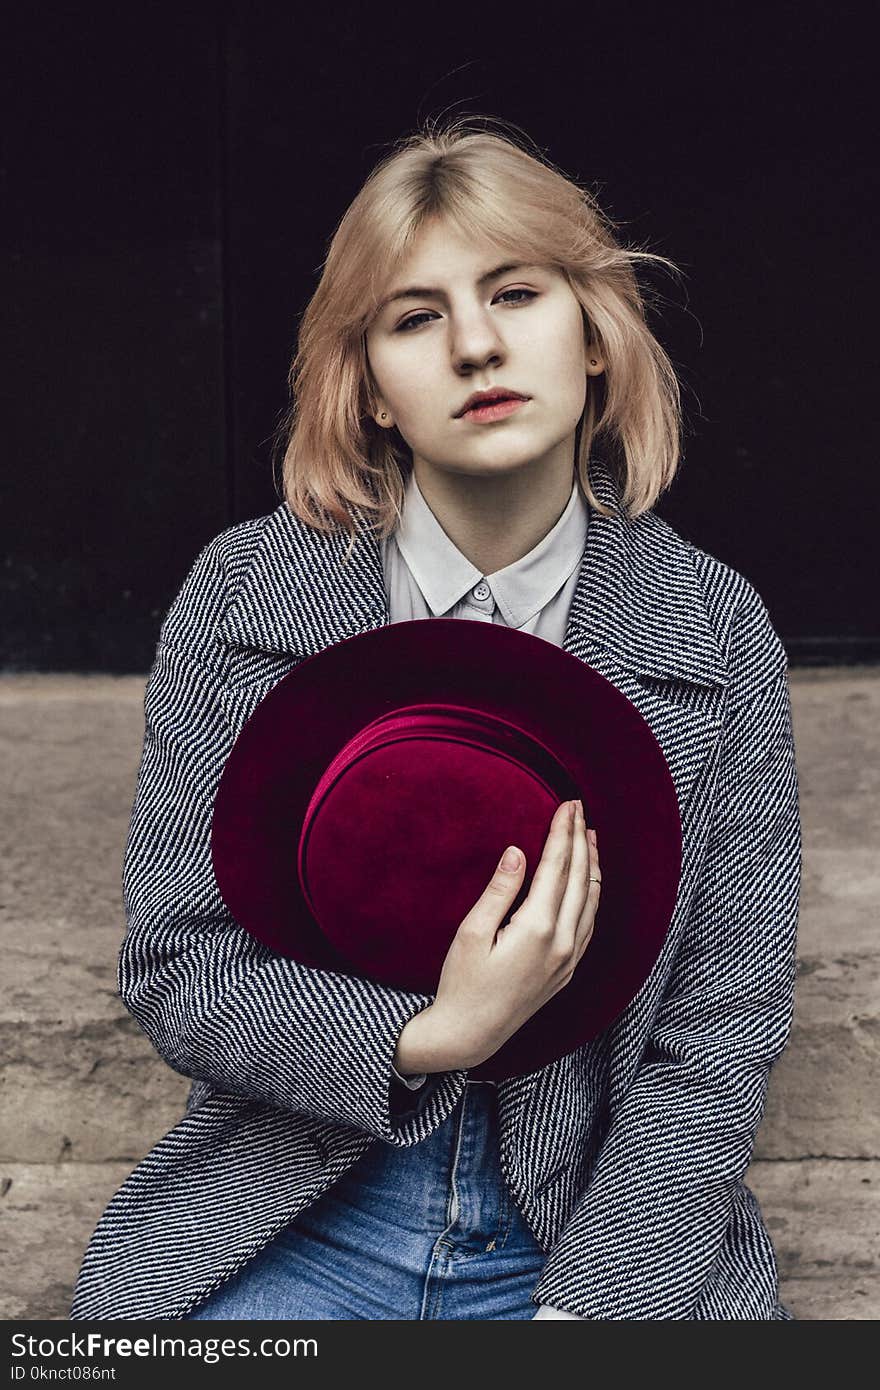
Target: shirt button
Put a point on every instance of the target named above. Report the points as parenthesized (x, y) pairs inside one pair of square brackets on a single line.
[(481, 590)]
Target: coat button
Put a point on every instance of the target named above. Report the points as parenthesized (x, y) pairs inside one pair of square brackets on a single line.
[(481, 590)]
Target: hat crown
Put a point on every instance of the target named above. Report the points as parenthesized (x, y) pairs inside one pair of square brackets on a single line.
[(407, 737)]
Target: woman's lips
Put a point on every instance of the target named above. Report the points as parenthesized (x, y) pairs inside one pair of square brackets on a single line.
[(493, 410)]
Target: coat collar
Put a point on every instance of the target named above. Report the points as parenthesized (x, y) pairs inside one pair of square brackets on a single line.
[(638, 597)]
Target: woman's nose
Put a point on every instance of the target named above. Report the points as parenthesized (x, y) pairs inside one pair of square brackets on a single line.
[(476, 342)]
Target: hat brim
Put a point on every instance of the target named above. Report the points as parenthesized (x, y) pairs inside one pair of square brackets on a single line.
[(616, 765)]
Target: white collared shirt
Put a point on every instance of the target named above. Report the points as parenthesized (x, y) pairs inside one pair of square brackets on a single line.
[(427, 576)]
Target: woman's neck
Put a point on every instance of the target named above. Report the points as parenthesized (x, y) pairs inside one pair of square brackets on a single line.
[(495, 520)]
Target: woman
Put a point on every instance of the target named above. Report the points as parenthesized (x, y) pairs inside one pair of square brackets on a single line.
[(608, 1184)]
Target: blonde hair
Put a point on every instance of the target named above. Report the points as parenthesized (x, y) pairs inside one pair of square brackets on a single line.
[(336, 460)]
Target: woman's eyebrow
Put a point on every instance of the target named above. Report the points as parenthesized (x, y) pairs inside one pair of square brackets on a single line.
[(422, 292)]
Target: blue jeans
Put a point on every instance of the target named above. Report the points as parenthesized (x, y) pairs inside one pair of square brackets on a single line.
[(429, 1231)]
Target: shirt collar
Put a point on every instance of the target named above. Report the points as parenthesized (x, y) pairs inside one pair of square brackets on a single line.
[(444, 575)]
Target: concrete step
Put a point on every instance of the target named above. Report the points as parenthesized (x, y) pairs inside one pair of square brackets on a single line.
[(824, 1217), (91, 1088), (84, 1097)]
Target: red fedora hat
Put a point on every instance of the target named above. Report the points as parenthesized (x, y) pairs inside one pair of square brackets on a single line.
[(366, 802)]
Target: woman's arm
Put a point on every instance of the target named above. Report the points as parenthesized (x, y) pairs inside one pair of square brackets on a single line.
[(215, 1003), (642, 1242)]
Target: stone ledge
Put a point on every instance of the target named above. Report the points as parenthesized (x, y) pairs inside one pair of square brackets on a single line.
[(90, 1090), (48, 1212), (823, 1215), (83, 1082)]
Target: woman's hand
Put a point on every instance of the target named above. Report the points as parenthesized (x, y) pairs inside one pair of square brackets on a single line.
[(495, 977)]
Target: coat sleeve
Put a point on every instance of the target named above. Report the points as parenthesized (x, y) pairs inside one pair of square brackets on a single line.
[(642, 1241), (216, 1004)]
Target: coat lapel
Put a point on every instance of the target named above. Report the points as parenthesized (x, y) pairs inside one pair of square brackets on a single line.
[(638, 598), (301, 592)]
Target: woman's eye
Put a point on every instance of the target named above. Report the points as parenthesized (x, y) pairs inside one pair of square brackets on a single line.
[(408, 323), (415, 319), (530, 293)]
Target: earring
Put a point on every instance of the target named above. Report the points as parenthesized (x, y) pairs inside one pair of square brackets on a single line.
[(383, 416), (593, 362)]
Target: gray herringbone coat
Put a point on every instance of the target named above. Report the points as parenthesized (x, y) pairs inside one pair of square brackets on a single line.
[(627, 1156)]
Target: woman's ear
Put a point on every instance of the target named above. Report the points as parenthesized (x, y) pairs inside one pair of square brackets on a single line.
[(594, 358), (377, 407)]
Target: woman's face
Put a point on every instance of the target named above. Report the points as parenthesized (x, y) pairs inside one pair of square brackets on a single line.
[(466, 323)]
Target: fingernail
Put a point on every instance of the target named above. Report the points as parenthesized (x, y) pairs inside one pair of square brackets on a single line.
[(592, 834), (571, 810), (510, 860)]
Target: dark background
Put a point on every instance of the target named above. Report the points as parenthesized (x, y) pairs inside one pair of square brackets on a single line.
[(171, 177)]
